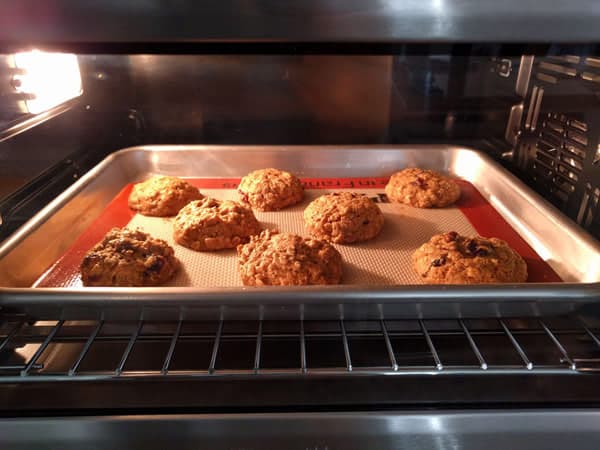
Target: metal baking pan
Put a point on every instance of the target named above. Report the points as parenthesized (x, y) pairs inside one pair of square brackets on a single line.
[(573, 255)]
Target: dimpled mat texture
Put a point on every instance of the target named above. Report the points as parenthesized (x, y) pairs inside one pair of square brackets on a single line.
[(383, 260)]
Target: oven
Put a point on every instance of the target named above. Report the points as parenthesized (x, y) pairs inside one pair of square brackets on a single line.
[(503, 97)]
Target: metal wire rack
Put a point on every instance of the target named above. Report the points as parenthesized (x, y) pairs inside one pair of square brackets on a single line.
[(53, 350)]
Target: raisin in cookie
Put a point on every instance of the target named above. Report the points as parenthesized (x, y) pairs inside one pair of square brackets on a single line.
[(273, 259), (270, 189), (422, 188), (211, 224), (454, 259), (162, 196), (343, 218), (128, 258)]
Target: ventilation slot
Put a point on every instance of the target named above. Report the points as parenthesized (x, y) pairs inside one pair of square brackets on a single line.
[(558, 69), (565, 172), (590, 76), (578, 125), (591, 70), (578, 137), (564, 184), (593, 62), (555, 68), (570, 59), (545, 144), (575, 150), (546, 160), (547, 78), (589, 211), (560, 152), (571, 162), (555, 127)]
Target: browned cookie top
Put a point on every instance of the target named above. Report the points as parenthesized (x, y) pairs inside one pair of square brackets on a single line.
[(454, 259), (211, 224), (128, 258), (273, 259), (422, 188), (343, 217), (270, 189), (162, 196)]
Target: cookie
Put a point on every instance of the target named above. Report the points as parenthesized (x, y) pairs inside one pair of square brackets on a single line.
[(128, 258), (270, 189), (162, 196), (273, 259), (422, 188), (343, 218), (210, 224), (454, 259)]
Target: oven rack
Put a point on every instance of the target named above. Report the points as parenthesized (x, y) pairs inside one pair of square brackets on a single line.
[(95, 350)]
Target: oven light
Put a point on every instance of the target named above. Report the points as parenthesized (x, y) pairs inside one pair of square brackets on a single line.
[(46, 79)]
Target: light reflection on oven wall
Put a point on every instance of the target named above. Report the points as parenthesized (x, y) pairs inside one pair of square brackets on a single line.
[(45, 80), (40, 121), (260, 99)]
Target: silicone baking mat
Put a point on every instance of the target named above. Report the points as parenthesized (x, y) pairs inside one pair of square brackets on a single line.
[(385, 260)]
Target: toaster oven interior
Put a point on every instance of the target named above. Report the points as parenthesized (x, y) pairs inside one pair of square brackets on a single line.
[(532, 108)]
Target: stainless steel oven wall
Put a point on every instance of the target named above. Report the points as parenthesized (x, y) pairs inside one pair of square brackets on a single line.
[(446, 93), (441, 94), (192, 99), (41, 155), (37, 164), (456, 429), (474, 94), (88, 23), (11, 106), (262, 99), (458, 93)]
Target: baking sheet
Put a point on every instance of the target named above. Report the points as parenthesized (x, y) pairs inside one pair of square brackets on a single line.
[(385, 260)]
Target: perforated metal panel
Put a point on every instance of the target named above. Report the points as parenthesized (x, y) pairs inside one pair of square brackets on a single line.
[(559, 147)]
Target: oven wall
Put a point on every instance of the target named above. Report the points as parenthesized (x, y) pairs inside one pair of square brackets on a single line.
[(461, 94), (43, 160), (250, 99), (443, 94)]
